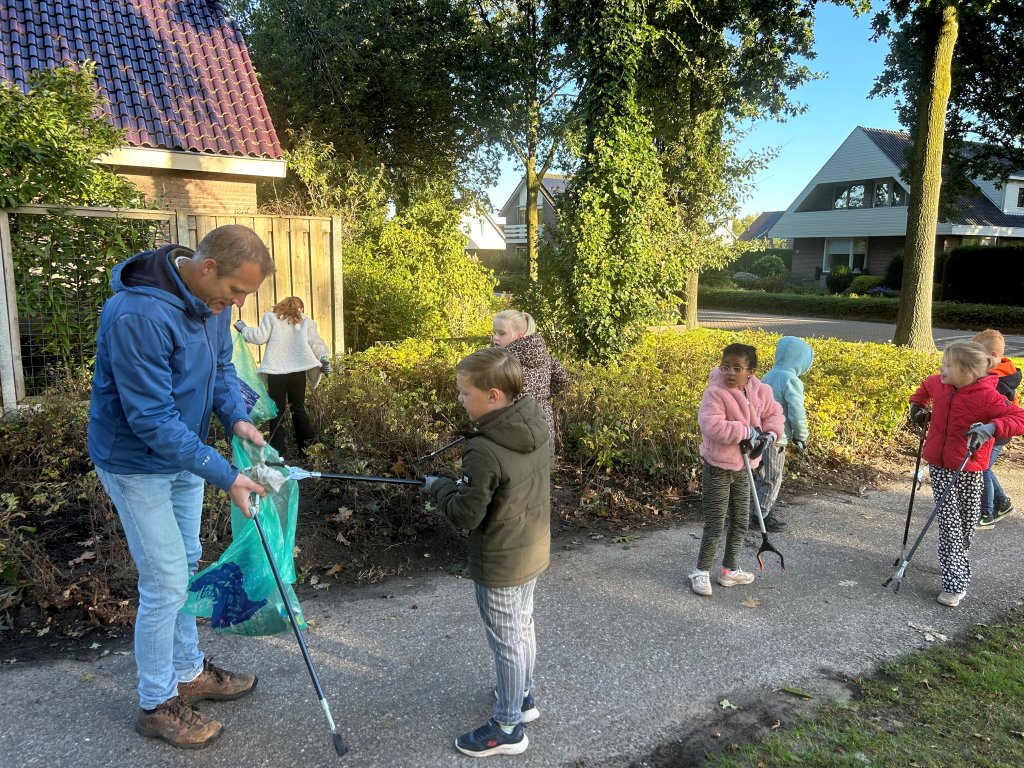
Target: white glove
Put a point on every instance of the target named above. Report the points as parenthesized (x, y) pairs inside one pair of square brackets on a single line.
[(239, 325), (430, 482)]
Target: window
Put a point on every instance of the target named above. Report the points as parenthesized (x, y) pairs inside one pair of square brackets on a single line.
[(848, 252), (848, 195), (1020, 197), (899, 196), (881, 196), (522, 214)]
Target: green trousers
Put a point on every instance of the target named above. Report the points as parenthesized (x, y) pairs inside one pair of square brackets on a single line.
[(725, 502)]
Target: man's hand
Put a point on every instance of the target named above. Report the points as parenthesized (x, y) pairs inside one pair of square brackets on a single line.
[(239, 325), (248, 431), (979, 434), (240, 490)]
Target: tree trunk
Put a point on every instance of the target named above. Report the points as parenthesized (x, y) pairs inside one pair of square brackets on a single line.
[(532, 191), (914, 319), (690, 316)]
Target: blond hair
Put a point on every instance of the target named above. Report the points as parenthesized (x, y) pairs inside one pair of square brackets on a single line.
[(970, 357), (516, 321), (290, 309), (992, 341), (492, 368)]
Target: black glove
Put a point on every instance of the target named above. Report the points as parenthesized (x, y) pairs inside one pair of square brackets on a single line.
[(920, 416), (325, 366), (429, 483), (799, 446), (979, 434)]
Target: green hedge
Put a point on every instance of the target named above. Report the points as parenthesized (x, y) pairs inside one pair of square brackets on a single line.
[(945, 314), (993, 274)]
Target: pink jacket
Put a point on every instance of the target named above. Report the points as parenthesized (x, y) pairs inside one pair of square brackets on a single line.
[(726, 415)]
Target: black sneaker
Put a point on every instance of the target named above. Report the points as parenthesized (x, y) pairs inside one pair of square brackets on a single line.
[(489, 739), (1004, 507), (771, 523)]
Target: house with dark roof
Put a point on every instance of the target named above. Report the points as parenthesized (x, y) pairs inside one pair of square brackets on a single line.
[(854, 210), (552, 186), (178, 81), (760, 228)]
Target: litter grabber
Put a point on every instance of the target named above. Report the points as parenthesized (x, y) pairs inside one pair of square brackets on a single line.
[(915, 484), (749, 450), (339, 744), (898, 576), (296, 473), (434, 454)]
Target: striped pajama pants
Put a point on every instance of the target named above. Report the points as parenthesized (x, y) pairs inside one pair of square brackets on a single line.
[(768, 479), (958, 518), (725, 502), (508, 619)]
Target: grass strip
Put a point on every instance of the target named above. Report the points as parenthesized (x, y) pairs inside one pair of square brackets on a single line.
[(955, 704)]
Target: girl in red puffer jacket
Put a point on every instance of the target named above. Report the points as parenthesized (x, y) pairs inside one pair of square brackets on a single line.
[(964, 403)]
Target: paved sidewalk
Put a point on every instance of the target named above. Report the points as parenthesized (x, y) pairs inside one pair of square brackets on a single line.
[(629, 658), (822, 328)]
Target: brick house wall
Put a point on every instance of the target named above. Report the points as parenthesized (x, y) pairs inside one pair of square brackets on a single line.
[(807, 257), (201, 192)]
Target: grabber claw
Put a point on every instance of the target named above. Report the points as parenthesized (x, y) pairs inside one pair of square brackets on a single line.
[(747, 450)]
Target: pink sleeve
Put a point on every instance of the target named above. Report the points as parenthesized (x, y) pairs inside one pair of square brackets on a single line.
[(714, 424)]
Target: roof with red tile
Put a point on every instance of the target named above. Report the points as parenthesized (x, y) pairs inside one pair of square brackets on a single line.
[(176, 73)]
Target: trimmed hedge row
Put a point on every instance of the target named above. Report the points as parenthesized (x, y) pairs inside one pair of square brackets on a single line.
[(945, 314)]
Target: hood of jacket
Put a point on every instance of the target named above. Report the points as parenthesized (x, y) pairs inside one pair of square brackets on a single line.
[(153, 273), (1009, 378), (520, 427), (793, 354)]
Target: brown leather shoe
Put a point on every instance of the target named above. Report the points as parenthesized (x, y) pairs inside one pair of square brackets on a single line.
[(216, 684), (177, 723)]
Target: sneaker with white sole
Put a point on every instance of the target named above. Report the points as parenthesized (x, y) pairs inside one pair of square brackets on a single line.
[(528, 712), (952, 599), (490, 739), (734, 577), (700, 583)]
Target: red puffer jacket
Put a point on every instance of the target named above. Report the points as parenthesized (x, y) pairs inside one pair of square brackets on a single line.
[(955, 410)]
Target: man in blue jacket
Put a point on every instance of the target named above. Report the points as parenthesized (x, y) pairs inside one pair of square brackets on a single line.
[(163, 365)]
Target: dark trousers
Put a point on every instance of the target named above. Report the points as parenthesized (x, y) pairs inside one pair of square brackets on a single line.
[(288, 390)]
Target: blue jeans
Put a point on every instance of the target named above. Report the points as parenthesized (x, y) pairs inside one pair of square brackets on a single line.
[(160, 515), (508, 617), (993, 490)]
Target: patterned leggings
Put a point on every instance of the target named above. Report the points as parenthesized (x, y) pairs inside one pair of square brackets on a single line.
[(958, 519), (725, 501)]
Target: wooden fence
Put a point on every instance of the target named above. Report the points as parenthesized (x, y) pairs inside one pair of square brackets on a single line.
[(306, 252)]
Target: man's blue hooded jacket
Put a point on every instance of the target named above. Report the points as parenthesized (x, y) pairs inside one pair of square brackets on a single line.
[(163, 364)]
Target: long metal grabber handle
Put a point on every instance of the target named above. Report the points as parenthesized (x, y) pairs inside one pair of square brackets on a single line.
[(898, 576), (339, 744), (439, 451), (766, 546), (910, 508), (296, 473)]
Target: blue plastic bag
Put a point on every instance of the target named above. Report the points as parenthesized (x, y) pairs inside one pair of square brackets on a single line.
[(254, 392)]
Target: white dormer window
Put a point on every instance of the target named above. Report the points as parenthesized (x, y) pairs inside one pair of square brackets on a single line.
[(1020, 197)]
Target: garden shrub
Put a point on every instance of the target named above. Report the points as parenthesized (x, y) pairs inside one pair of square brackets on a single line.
[(770, 265), (771, 284), (746, 278), (989, 274), (745, 263), (863, 283), (893, 277), (839, 279)]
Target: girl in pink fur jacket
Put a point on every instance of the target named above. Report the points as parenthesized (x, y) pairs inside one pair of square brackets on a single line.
[(736, 406)]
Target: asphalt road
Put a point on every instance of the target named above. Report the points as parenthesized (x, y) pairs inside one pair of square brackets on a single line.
[(629, 660)]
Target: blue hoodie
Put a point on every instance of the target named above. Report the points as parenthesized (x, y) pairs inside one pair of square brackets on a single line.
[(163, 364), (793, 357)]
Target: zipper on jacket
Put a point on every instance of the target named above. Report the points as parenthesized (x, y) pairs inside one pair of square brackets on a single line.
[(945, 431)]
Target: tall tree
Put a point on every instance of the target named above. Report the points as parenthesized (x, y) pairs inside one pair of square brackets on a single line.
[(946, 67), (526, 74), (389, 83), (614, 266)]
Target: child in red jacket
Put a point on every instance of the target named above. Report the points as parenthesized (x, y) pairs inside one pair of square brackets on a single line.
[(965, 405), (995, 504)]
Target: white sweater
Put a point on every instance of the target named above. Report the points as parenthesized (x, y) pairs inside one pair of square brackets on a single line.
[(290, 348)]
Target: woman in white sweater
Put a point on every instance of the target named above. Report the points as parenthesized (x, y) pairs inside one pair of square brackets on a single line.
[(295, 354)]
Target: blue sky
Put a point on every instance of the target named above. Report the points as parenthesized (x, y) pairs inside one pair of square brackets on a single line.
[(836, 105)]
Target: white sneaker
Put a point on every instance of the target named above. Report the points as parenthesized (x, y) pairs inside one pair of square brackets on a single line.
[(700, 581), (952, 599), (731, 578)]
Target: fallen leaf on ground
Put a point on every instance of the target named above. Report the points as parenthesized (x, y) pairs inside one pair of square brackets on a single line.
[(334, 570), (930, 633), (726, 704), (795, 692), (344, 513), (750, 602), (85, 556), (342, 540)]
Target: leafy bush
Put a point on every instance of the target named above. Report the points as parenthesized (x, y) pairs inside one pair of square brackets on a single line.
[(945, 314), (884, 292), (744, 277), (745, 263), (839, 279), (771, 284), (863, 283), (893, 277), (770, 265)]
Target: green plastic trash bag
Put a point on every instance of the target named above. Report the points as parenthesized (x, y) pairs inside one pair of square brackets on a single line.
[(254, 391), (238, 593)]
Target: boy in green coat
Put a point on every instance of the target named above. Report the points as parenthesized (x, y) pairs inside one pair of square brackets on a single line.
[(504, 499)]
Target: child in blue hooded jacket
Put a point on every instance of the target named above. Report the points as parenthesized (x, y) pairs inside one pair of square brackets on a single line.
[(793, 358)]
